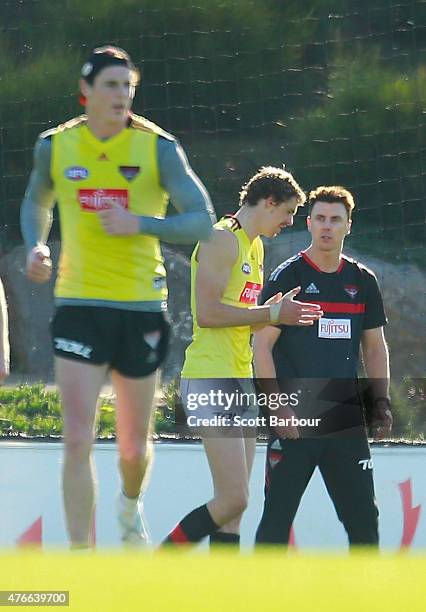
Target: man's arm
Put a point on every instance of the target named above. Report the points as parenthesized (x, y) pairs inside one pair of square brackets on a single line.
[(376, 356), (376, 362), (4, 337), (263, 343), (189, 197), (215, 260), (36, 214)]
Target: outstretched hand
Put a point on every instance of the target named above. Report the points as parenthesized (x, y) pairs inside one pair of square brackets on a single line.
[(293, 312)]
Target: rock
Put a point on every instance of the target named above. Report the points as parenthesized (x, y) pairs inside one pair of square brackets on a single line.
[(179, 283), (30, 308)]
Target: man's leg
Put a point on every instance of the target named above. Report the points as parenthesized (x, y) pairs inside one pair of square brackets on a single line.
[(135, 397), (230, 532), (228, 465), (348, 475), (289, 467), (79, 384)]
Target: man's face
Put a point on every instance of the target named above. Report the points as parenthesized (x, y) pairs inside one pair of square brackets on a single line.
[(328, 224), (278, 215), (111, 95)]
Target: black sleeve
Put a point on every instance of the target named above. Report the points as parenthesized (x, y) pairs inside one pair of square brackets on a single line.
[(280, 280), (374, 310)]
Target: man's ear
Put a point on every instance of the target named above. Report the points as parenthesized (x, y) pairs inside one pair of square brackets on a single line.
[(269, 202), (308, 223), (84, 87), (349, 227)]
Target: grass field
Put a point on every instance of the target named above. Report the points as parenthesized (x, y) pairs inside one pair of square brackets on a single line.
[(182, 580)]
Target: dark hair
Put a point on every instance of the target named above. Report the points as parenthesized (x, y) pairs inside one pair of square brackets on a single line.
[(332, 194), (270, 181), (103, 57)]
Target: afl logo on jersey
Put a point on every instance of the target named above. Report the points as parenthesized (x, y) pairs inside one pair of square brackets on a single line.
[(76, 173), (246, 268)]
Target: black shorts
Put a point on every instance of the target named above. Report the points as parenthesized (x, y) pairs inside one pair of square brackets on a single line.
[(132, 342)]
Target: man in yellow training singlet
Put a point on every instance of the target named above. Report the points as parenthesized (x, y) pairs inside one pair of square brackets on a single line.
[(227, 276), (112, 173)]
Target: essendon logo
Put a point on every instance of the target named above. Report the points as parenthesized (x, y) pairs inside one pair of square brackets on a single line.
[(351, 290), (129, 172), (99, 199), (274, 457), (250, 293)]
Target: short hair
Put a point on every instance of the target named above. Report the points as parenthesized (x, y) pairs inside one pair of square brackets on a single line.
[(271, 181), (332, 194), (104, 57)]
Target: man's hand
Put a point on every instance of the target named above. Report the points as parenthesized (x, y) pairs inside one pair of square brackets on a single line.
[(270, 388), (39, 264), (117, 221), (381, 419), (293, 312), (285, 431)]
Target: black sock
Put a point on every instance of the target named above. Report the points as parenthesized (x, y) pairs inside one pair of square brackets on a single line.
[(193, 527), (220, 537)]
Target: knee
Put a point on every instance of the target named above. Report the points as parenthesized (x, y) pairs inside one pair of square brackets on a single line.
[(236, 503), (134, 454), (78, 447)]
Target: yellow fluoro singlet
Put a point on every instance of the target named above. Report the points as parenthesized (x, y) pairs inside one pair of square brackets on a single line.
[(225, 352), (88, 172)]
